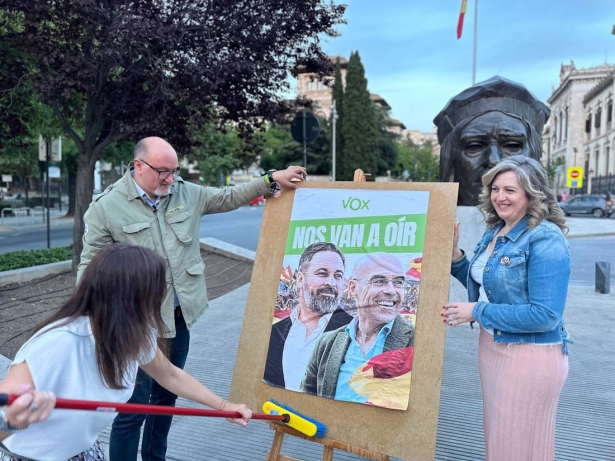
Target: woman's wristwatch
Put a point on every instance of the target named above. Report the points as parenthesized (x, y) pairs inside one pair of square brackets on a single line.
[(5, 426), (274, 187)]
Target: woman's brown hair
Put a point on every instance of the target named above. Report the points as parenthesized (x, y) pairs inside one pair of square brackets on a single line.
[(121, 291), (533, 180)]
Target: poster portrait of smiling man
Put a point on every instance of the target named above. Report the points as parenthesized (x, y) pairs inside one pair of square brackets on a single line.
[(346, 307)]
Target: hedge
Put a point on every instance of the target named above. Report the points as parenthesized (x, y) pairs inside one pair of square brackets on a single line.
[(21, 259)]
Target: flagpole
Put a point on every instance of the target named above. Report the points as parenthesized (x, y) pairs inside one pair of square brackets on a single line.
[(475, 28)]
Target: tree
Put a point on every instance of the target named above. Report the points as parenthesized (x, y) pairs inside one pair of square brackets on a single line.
[(359, 128), (273, 142), (387, 142), (427, 165), (16, 100), (113, 70), (219, 152)]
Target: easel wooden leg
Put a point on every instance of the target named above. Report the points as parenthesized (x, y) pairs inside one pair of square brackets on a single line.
[(276, 446), (327, 453)]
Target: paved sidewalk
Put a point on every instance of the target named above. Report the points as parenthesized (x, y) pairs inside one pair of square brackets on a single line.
[(584, 427)]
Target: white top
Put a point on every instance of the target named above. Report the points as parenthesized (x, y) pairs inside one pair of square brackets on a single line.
[(476, 272), (298, 349), (63, 360)]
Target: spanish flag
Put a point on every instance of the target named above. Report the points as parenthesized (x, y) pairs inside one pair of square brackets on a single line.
[(385, 379), (462, 13)]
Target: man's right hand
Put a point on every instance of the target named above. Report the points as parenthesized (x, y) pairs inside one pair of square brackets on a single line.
[(285, 177)]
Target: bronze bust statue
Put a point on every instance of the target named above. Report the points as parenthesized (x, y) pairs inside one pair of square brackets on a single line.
[(483, 125)]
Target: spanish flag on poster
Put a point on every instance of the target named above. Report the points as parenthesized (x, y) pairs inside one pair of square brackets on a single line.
[(462, 13)]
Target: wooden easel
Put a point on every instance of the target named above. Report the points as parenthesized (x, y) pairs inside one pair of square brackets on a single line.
[(328, 445)]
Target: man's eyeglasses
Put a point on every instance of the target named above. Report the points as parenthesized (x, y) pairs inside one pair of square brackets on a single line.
[(380, 282), (162, 174)]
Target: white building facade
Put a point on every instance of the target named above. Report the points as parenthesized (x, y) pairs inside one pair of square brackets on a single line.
[(600, 136), (564, 136)]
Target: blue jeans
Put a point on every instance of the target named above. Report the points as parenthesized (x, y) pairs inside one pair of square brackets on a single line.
[(126, 428)]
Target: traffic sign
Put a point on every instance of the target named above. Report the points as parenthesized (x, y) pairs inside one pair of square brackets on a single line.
[(56, 150), (574, 177), (312, 127)]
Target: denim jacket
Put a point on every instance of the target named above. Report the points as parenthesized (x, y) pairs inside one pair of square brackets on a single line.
[(526, 281)]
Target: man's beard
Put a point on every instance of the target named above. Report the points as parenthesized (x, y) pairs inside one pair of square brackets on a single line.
[(321, 304), (160, 192)]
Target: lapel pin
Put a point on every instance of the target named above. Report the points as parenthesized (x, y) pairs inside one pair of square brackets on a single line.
[(505, 260)]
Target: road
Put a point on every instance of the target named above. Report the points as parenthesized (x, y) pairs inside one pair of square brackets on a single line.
[(585, 253), (242, 227)]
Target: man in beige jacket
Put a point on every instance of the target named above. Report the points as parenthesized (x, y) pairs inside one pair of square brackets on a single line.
[(152, 206)]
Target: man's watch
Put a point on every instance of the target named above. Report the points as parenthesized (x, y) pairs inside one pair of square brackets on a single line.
[(274, 187), (5, 425), (269, 177)]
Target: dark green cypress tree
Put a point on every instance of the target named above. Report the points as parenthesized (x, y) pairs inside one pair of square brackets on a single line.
[(359, 128), (337, 97)]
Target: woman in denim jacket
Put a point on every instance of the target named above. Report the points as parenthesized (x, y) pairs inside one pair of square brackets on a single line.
[(517, 282)]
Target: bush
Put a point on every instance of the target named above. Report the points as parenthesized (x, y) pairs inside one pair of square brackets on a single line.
[(21, 259)]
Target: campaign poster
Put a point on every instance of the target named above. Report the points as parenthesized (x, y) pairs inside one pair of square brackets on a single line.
[(346, 308)]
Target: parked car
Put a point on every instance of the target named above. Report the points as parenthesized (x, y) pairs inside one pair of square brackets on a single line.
[(259, 201), (587, 204)]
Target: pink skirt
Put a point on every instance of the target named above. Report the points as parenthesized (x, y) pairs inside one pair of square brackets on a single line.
[(521, 386)]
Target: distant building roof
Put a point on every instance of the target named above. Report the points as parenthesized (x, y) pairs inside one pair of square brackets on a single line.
[(379, 100), (343, 61), (600, 86), (395, 122)]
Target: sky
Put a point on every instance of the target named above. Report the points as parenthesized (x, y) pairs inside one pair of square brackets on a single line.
[(412, 57)]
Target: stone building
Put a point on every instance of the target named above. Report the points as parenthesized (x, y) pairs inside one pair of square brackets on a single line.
[(600, 136), (317, 91), (564, 135)]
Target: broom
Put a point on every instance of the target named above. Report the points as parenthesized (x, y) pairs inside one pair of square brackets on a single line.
[(274, 411)]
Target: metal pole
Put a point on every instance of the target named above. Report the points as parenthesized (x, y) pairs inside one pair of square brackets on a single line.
[(43, 196), (48, 158), (549, 177), (304, 142), (414, 178), (475, 29), (333, 119)]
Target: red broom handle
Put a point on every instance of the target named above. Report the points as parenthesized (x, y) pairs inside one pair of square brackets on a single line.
[(72, 404)]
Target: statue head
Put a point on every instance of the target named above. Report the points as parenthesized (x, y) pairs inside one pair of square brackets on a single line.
[(484, 124)]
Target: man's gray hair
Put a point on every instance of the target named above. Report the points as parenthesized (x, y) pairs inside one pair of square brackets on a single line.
[(140, 150)]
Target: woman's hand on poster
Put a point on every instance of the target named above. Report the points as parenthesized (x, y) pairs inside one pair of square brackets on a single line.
[(246, 414), (457, 253), (457, 313)]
